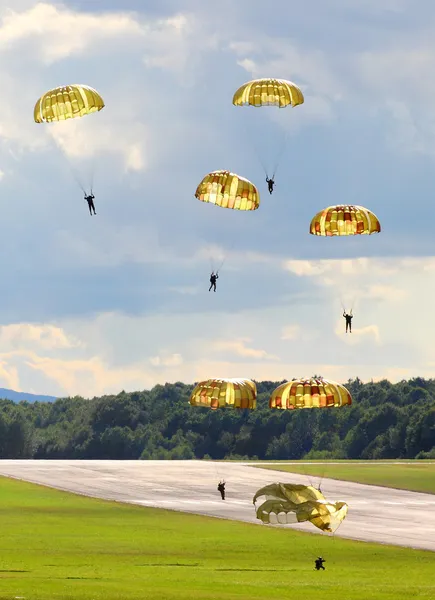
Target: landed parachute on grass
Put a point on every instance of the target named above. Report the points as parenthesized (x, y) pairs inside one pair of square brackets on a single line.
[(221, 393), (309, 393), (268, 92), (228, 190), (344, 219), (67, 102), (286, 503)]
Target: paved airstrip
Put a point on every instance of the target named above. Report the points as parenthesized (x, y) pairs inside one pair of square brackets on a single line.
[(376, 514)]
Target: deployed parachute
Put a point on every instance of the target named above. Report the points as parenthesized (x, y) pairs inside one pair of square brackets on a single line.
[(264, 138), (228, 190), (67, 102), (285, 503), (344, 220), (220, 393), (74, 139), (309, 393), (268, 92)]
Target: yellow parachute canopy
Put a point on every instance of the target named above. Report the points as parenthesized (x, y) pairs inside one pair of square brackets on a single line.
[(67, 102), (344, 220), (220, 393), (285, 503), (268, 92), (309, 393), (228, 190)]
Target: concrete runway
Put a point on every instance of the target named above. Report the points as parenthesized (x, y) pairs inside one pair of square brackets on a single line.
[(376, 514)]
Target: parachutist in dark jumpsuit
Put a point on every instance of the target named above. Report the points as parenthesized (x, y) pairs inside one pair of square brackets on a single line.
[(213, 279), (348, 318), (270, 184), (319, 563), (221, 488), (90, 200)]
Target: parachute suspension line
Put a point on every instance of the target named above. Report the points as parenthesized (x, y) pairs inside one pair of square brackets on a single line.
[(76, 178), (225, 257), (321, 477), (221, 265), (280, 154), (88, 175), (68, 162), (260, 160), (92, 174), (305, 469), (216, 266), (256, 142)]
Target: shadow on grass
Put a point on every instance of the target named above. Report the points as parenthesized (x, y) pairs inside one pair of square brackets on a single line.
[(259, 570), (90, 578), (168, 565), (14, 571)]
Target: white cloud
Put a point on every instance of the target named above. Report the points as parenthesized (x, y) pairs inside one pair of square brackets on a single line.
[(291, 332), (9, 377), (357, 335), (173, 52), (173, 360), (59, 32), (307, 268), (47, 337), (239, 348), (95, 135), (388, 293)]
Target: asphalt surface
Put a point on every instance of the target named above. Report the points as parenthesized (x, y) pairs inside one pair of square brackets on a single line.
[(376, 514)]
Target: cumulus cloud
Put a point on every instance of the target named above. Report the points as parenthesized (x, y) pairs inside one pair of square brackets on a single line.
[(173, 360), (387, 293), (57, 31), (140, 267), (291, 332), (83, 139), (47, 337), (9, 376), (239, 347), (358, 335)]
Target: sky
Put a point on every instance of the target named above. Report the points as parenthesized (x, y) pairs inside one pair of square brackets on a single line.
[(119, 301)]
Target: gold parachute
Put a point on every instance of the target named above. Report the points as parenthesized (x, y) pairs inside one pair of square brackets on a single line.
[(309, 393), (228, 190), (67, 102), (221, 393), (285, 503), (268, 92), (345, 220)]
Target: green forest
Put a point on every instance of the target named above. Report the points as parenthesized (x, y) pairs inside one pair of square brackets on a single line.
[(385, 421)]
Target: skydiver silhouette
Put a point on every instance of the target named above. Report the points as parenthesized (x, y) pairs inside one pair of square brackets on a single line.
[(213, 279), (221, 489), (90, 200), (270, 184), (348, 318)]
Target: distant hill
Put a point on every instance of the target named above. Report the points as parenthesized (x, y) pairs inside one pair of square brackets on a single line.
[(18, 396)]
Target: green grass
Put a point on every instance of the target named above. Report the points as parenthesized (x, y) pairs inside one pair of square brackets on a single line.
[(417, 476), (57, 545)]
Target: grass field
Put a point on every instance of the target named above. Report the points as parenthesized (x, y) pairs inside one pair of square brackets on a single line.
[(57, 545), (416, 476)]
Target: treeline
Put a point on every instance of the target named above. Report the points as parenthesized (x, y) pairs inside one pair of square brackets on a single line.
[(385, 421)]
